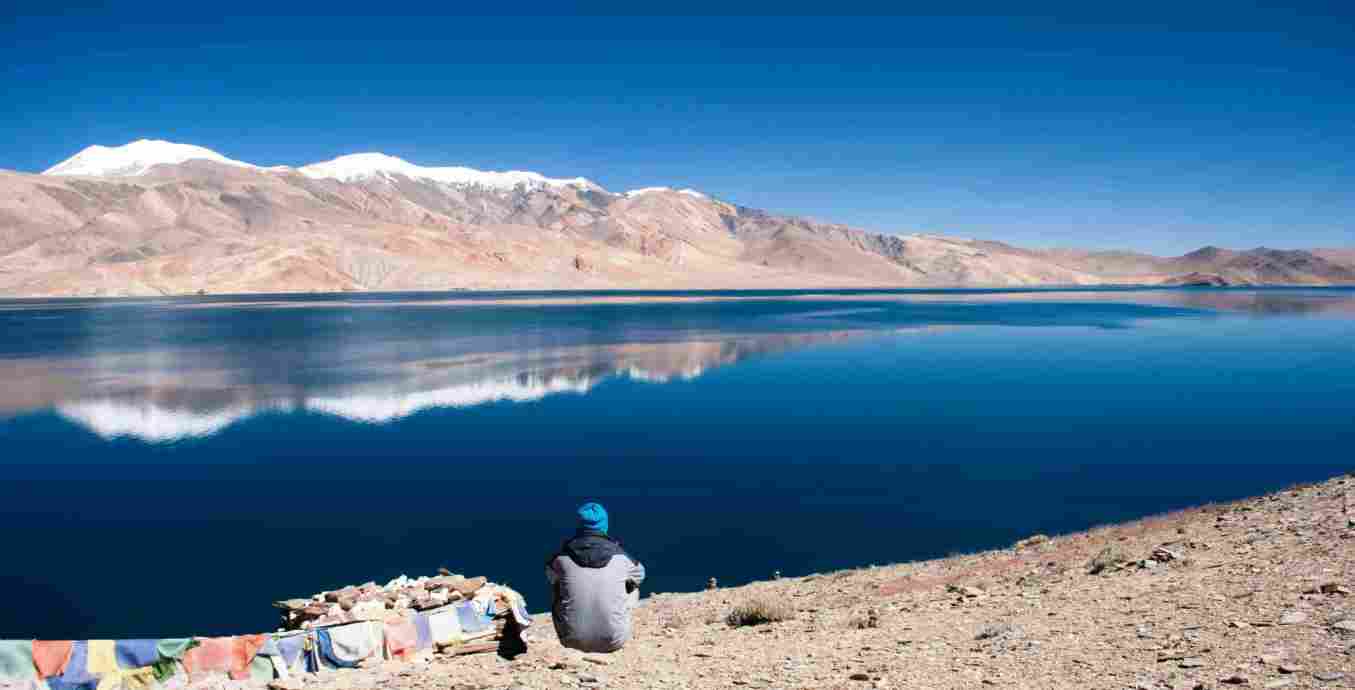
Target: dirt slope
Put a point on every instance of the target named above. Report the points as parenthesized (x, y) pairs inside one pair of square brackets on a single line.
[(1252, 594)]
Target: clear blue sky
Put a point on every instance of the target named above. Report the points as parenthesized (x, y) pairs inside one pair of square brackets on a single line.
[(1162, 127)]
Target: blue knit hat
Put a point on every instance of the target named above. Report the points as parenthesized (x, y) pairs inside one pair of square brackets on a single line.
[(593, 516)]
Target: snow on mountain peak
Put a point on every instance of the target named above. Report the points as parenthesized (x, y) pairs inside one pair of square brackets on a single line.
[(645, 190), (652, 190), (138, 157), (135, 158), (365, 166)]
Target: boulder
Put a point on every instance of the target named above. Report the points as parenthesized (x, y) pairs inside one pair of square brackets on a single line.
[(1163, 555)]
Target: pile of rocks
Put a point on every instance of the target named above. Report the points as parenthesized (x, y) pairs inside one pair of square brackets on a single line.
[(373, 602)]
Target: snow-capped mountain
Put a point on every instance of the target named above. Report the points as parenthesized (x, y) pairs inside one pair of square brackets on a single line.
[(136, 158), (366, 166), (159, 218)]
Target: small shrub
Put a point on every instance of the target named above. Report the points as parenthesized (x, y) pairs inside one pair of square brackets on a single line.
[(870, 620), (759, 612), (1109, 558), (1000, 638), (996, 630)]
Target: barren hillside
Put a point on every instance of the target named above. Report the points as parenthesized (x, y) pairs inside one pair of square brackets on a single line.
[(154, 218)]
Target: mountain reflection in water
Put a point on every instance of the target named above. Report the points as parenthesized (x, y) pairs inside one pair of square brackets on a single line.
[(129, 396), (164, 371)]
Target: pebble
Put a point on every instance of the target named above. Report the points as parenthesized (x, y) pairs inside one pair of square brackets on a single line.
[(1235, 679), (1344, 626), (1329, 676), (859, 676), (1192, 662), (1293, 618)]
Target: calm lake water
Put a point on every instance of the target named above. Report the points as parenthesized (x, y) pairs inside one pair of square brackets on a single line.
[(170, 467)]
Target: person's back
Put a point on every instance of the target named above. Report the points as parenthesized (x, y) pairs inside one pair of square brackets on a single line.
[(596, 585)]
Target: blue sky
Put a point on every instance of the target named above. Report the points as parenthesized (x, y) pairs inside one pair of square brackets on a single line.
[(1176, 126)]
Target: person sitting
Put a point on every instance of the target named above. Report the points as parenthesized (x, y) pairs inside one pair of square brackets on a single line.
[(596, 585)]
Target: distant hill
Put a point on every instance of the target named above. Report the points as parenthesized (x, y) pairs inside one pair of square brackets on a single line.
[(1217, 266), (1342, 257), (153, 218)]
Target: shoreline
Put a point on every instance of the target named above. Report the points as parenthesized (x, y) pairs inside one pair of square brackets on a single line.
[(1250, 593), (467, 298)]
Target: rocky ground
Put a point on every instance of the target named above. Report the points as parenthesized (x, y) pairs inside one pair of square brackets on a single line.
[(1250, 594)]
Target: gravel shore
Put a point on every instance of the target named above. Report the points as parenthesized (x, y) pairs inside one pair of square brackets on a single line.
[(1256, 593)]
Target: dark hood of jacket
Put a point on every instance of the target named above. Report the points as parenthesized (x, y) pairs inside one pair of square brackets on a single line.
[(591, 549)]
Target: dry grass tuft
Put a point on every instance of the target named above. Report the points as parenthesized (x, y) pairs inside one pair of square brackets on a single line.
[(759, 612)]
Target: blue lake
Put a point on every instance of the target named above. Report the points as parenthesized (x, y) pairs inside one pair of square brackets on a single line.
[(171, 467)]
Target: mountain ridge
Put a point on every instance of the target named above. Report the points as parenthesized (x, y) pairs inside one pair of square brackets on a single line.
[(164, 218)]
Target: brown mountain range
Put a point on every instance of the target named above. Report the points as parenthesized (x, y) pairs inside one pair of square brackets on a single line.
[(200, 225)]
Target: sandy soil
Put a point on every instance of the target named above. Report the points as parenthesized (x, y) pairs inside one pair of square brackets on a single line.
[(1250, 594)]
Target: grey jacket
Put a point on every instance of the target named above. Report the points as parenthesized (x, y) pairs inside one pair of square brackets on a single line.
[(596, 584)]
